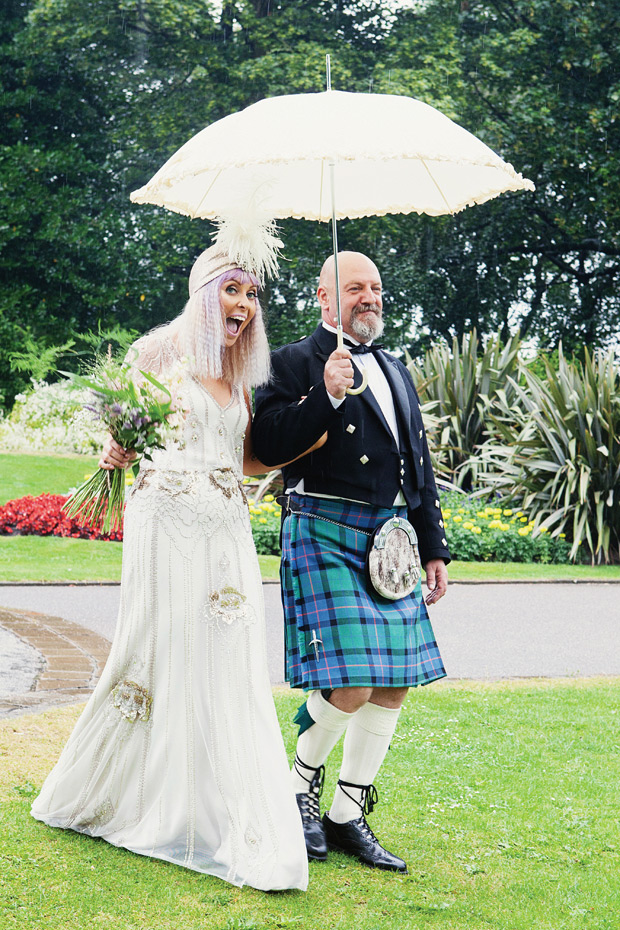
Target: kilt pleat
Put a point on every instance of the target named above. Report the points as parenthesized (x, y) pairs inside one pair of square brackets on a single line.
[(363, 639)]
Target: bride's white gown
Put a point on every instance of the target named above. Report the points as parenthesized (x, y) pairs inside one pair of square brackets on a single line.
[(178, 753)]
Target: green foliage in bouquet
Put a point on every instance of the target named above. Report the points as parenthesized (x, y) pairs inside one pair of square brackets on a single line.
[(458, 388), (141, 414), (559, 451)]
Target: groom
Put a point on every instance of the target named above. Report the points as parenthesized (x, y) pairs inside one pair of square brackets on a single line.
[(356, 652)]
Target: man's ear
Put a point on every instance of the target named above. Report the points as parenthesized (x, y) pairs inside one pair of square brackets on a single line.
[(323, 298)]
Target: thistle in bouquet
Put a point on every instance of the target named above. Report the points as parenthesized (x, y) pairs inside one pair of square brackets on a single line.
[(141, 413)]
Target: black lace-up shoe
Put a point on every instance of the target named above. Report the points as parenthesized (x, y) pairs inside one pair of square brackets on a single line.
[(310, 810), (355, 838)]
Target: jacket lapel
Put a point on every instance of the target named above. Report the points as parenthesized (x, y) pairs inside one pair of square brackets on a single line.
[(399, 392)]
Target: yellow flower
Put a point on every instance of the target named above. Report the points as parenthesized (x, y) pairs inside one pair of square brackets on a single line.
[(494, 524), (268, 498), (562, 535), (251, 515), (507, 513), (458, 519), (523, 531), (461, 510), (523, 520), (519, 513), (142, 297), (481, 513), (544, 529), (262, 520), (476, 529), (468, 525), (504, 527)]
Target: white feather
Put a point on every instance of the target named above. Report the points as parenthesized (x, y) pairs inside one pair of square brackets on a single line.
[(250, 239)]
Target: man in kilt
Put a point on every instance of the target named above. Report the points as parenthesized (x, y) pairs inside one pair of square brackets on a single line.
[(355, 651)]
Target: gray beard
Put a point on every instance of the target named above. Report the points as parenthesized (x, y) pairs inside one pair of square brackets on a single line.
[(365, 330)]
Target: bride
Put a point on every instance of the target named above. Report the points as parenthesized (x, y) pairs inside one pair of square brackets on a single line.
[(178, 753)]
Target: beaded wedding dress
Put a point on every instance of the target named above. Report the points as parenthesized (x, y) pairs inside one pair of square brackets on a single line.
[(178, 753)]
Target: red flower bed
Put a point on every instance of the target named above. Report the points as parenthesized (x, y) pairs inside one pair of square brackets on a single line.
[(43, 516)]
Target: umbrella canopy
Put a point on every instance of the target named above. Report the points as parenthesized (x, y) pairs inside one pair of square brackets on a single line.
[(392, 154)]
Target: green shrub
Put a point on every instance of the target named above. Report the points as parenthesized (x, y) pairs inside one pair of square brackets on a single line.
[(479, 532), (265, 518), (458, 387), (559, 452)]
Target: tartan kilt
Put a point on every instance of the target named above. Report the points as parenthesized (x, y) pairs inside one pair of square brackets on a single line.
[(366, 640)]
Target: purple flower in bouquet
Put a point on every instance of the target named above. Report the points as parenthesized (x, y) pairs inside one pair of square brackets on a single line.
[(141, 414)]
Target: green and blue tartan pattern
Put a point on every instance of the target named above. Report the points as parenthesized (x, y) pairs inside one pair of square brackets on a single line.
[(364, 639)]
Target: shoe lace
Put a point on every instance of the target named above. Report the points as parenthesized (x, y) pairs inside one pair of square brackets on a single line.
[(369, 798), (309, 801)]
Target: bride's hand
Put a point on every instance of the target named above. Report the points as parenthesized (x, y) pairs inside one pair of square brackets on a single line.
[(114, 456)]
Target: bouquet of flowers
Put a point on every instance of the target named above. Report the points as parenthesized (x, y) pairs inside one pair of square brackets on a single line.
[(141, 414)]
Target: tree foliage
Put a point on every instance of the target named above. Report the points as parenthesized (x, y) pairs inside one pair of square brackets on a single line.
[(96, 94), (539, 81)]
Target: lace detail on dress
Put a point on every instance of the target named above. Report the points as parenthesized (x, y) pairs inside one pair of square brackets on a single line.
[(228, 604), (132, 701), (154, 352)]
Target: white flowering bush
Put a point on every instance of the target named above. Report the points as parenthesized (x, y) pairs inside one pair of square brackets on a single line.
[(51, 418)]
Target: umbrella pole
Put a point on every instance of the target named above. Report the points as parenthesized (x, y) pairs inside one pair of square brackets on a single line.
[(335, 245), (339, 332), (332, 184)]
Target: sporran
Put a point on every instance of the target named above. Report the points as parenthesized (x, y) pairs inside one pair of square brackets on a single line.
[(393, 562)]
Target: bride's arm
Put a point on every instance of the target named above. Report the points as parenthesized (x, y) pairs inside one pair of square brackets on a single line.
[(251, 464)]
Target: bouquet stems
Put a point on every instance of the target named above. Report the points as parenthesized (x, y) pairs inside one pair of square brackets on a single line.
[(99, 502)]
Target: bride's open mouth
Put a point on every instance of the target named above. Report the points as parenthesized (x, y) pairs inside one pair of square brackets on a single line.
[(234, 324)]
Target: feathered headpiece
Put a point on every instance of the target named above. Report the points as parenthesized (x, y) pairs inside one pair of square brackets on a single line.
[(245, 239)]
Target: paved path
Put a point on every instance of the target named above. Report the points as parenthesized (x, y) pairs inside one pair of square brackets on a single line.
[(51, 661), (485, 631)]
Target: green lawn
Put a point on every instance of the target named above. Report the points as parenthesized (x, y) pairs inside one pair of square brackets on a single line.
[(503, 798), (32, 558), (41, 474), (49, 558)]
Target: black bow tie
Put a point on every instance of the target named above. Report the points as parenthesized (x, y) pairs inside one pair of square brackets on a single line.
[(362, 348)]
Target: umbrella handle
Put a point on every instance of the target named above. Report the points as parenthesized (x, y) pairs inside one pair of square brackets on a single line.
[(364, 384)]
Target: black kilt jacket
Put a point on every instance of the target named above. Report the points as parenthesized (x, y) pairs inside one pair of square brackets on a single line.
[(361, 459)]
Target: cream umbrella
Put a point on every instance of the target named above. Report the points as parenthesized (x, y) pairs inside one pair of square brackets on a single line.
[(331, 155), (392, 154)]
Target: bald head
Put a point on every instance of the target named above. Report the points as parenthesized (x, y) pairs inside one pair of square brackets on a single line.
[(360, 295), (347, 262)]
